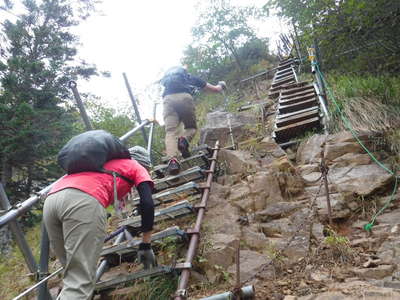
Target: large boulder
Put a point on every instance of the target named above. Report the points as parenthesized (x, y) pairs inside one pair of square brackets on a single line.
[(352, 172), (217, 127), (237, 162)]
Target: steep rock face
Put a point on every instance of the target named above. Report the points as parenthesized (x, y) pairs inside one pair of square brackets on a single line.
[(352, 173)]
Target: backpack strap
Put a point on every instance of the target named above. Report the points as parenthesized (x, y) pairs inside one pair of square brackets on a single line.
[(118, 206), (102, 170)]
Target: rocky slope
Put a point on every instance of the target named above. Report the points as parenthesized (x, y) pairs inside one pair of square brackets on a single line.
[(274, 205)]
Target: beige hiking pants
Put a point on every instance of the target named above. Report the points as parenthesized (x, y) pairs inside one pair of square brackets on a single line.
[(178, 108), (76, 224)]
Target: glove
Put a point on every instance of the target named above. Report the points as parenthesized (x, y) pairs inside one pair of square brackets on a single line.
[(146, 256), (222, 84)]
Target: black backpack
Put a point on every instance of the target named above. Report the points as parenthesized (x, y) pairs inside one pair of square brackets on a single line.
[(90, 150)]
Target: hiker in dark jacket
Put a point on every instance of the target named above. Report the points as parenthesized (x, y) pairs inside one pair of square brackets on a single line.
[(75, 218), (179, 87)]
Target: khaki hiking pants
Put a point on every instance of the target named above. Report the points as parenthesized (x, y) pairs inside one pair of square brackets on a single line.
[(178, 108), (76, 224)]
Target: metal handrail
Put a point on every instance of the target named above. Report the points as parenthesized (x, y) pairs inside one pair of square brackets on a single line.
[(23, 207)]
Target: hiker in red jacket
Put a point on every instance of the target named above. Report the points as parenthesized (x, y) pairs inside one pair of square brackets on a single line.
[(75, 218)]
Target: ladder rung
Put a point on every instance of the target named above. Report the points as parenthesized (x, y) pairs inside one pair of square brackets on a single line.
[(177, 210), (192, 174), (179, 193), (131, 246)]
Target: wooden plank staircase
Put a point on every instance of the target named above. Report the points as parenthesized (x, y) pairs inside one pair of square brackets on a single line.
[(298, 108)]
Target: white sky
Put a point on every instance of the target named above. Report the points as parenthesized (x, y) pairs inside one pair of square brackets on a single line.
[(142, 39)]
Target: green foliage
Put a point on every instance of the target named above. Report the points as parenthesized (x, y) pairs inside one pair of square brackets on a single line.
[(13, 269), (120, 120), (36, 118), (353, 35), (340, 245), (225, 44), (158, 288)]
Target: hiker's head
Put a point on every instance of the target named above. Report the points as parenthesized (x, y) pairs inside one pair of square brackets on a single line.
[(141, 155)]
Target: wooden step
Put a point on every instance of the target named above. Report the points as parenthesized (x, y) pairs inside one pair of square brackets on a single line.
[(283, 72), (282, 122), (283, 81), (286, 92), (284, 134), (282, 116), (284, 109), (297, 84), (296, 95), (274, 93), (285, 61), (296, 99), (285, 66), (282, 77)]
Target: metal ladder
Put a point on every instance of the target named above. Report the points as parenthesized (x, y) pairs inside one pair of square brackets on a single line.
[(175, 197)]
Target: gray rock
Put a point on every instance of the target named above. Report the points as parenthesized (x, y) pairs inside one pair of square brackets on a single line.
[(278, 210), (379, 272), (217, 128), (250, 263), (237, 162)]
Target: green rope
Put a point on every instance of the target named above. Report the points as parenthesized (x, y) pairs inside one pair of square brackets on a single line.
[(347, 123)]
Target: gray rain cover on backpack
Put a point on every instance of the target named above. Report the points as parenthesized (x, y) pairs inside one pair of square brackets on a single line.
[(89, 151)]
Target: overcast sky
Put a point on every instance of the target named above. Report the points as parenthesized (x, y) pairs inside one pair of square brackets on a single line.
[(142, 39)]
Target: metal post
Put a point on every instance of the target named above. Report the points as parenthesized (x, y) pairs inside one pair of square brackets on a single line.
[(194, 239), (151, 134), (44, 265), (319, 62), (104, 264), (247, 294), (322, 101), (134, 104), (18, 234), (73, 86)]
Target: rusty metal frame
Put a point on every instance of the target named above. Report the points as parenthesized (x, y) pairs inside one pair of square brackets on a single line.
[(181, 292)]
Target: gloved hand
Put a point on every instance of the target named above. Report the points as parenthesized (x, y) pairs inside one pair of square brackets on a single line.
[(146, 256), (222, 84)]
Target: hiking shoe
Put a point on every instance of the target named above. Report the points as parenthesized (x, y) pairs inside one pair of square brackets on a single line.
[(173, 167), (183, 147)]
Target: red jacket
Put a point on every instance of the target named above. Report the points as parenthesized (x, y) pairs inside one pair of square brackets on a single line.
[(100, 185)]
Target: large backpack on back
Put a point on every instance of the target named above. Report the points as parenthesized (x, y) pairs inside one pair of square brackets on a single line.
[(89, 151), (175, 77)]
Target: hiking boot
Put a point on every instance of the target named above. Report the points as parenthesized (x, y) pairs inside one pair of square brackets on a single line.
[(183, 147), (173, 167)]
